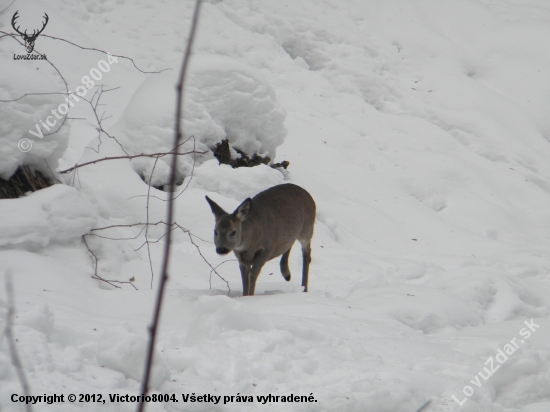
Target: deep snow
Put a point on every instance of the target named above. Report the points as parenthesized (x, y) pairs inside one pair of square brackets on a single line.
[(419, 127)]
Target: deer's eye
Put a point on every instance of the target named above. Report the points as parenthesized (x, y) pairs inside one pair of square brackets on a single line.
[(215, 233), (232, 234)]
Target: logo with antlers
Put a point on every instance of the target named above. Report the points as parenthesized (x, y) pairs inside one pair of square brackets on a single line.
[(29, 39)]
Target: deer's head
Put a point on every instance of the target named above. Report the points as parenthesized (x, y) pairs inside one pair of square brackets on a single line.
[(228, 229)]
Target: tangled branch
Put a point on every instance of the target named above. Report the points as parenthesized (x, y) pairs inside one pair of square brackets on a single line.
[(144, 227), (95, 262)]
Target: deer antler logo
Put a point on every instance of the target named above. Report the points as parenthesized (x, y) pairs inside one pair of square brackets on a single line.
[(29, 40)]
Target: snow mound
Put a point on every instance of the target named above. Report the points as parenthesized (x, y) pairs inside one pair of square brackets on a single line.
[(18, 118), (237, 183), (224, 99), (123, 350), (408, 304), (537, 407), (495, 294), (39, 317), (58, 214), (213, 315)]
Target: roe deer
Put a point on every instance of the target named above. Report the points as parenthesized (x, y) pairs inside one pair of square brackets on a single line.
[(265, 227)]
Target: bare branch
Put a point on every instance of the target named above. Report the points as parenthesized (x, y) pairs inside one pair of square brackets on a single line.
[(152, 155), (9, 5), (191, 175), (104, 52), (147, 242), (13, 36), (207, 262), (51, 172), (118, 238), (111, 282), (88, 48), (31, 94), (214, 270), (164, 271), (147, 217), (11, 340), (192, 169), (129, 225), (94, 102), (152, 224)]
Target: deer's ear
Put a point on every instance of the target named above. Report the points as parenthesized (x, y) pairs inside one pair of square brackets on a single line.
[(216, 209), (243, 210)]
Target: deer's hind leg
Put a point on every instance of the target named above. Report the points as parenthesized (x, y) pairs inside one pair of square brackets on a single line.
[(285, 271), (306, 255)]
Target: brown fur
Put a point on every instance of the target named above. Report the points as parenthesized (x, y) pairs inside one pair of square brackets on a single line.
[(265, 227)]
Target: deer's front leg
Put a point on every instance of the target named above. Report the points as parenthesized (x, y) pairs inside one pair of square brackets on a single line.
[(245, 275), (259, 262), (245, 262)]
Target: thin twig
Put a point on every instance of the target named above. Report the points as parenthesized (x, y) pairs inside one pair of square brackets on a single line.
[(192, 169), (207, 262), (164, 271), (104, 52), (153, 155), (11, 340), (195, 153), (147, 217), (12, 1), (31, 94), (214, 270), (147, 242), (158, 240), (94, 103), (77, 174), (118, 238), (14, 36), (51, 172), (89, 48), (110, 282), (151, 224), (129, 225)]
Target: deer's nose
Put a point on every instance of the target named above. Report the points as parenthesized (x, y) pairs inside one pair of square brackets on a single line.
[(222, 251)]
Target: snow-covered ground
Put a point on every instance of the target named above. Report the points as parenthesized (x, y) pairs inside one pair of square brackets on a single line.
[(421, 129)]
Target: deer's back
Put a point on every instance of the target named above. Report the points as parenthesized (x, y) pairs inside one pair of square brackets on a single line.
[(282, 214)]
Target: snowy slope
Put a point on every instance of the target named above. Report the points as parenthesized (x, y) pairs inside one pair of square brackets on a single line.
[(420, 128)]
